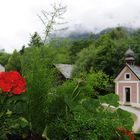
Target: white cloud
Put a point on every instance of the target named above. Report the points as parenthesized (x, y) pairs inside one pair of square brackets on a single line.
[(18, 18)]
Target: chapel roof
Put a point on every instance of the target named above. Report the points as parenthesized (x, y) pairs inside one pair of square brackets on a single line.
[(129, 53), (135, 70)]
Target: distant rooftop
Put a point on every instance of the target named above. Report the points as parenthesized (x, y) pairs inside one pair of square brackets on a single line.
[(65, 69)]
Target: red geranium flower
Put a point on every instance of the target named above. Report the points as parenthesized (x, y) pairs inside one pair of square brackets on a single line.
[(126, 132), (12, 82)]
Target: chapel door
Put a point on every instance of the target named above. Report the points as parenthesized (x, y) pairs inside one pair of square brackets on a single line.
[(127, 94)]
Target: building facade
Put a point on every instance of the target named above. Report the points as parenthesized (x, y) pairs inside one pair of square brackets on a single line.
[(127, 82)]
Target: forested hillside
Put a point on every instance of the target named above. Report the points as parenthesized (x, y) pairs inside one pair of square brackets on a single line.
[(87, 51)]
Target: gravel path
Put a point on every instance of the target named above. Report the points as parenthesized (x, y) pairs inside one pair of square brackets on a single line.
[(130, 109)]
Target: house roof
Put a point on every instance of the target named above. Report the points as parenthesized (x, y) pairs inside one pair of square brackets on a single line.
[(2, 68), (135, 70), (65, 69)]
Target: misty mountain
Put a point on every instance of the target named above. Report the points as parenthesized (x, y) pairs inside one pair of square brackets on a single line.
[(86, 34)]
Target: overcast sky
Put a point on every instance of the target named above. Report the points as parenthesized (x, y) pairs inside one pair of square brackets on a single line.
[(18, 18)]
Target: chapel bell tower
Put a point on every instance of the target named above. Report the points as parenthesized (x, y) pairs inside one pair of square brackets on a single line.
[(129, 57)]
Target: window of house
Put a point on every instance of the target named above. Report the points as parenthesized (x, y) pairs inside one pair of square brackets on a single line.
[(127, 76)]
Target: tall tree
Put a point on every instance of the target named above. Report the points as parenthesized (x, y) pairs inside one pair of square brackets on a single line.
[(22, 50), (35, 40)]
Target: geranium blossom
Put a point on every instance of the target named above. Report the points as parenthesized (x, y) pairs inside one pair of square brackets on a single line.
[(12, 82), (126, 132)]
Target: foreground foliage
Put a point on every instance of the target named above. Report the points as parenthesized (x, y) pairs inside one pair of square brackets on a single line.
[(72, 114), (74, 109)]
